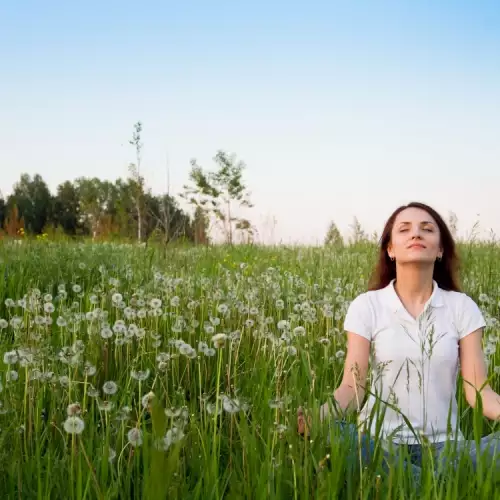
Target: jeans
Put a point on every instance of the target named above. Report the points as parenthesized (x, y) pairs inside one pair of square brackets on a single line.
[(489, 448)]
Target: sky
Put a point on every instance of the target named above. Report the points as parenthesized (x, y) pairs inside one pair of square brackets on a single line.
[(338, 109)]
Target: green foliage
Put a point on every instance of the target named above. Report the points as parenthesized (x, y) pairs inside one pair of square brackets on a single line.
[(358, 234), (33, 201), (219, 193), (333, 236), (221, 422), (93, 207)]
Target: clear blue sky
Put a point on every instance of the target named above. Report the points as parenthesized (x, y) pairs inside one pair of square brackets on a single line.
[(338, 108)]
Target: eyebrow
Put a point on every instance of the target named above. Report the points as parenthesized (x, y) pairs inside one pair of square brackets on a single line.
[(423, 222)]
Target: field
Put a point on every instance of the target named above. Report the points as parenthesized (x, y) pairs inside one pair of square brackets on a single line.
[(138, 372)]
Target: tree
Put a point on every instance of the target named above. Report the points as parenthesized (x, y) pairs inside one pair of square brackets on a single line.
[(94, 199), (33, 201), (453, 223), (136, 181), (3, 211), (163, 216), (358, 234), (66, 208), (333, 236), (14, 224), (200, 227), (219, 193)]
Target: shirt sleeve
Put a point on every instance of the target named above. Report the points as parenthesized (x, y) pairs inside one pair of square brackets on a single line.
[(471, 317), (358, 319)]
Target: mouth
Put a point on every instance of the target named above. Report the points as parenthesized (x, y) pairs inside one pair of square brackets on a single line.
[(417, 245)]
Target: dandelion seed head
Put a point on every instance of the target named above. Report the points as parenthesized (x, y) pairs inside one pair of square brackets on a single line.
[(49, 308), (134, 437), (110, 387), (73, 409), (74, 425)]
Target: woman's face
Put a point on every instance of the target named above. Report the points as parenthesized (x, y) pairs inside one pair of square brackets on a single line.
[(415, 237)]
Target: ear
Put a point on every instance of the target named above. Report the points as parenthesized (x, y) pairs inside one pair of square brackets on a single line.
[(389, 250)]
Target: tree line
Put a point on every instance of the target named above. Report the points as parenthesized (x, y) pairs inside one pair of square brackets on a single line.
[(126, 209)]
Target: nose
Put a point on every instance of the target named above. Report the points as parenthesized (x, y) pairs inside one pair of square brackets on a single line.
[(416, 232)]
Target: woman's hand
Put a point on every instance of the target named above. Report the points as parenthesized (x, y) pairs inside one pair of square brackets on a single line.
[(303, 426)]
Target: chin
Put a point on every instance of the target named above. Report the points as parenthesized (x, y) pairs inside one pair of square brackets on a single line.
[(418, 260)]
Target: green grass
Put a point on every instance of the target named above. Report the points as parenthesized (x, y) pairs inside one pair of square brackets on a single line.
[(280, 302)]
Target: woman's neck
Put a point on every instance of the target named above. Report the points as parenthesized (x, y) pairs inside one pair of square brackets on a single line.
[(414, 285)]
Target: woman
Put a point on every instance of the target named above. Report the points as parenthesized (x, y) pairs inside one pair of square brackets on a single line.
[(416, 327)]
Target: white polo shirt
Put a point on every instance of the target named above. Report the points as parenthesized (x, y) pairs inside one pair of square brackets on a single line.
[(414, 362)]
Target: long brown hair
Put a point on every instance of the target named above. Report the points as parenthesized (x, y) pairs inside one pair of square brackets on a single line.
[(445, 271)]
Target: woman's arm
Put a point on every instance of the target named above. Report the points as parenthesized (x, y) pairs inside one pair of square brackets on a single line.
[(475, 375), (351, 391)]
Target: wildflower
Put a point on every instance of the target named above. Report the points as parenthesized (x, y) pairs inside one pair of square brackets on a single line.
[(291, 350), (489, 348), (163, 357), (175, 301), (275, 403), (134, 437), (147, 399), (110, 387), (111, 454), (123, 413), (77, 288), (299, 331), (222, 309), (209, 329), (105, 405), (155, 303), (187, 351), (234, 336), (61, 322), (283, 324), (140, 375), (210, 407), (116, 298), (49, 308), (10, 358), (74, 425), (47, 297), (73, 409), (106, 332), (3, 324), (174, 435), (219, 340), (173, 412), (484, 298), (281, 428), (9, 303), (89, 369), (11, 376), (232, 405)]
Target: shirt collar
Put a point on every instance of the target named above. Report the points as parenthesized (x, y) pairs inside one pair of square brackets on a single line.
[(436, 299)]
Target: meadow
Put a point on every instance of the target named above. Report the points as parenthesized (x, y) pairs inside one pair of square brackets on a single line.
[(138, 372)]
